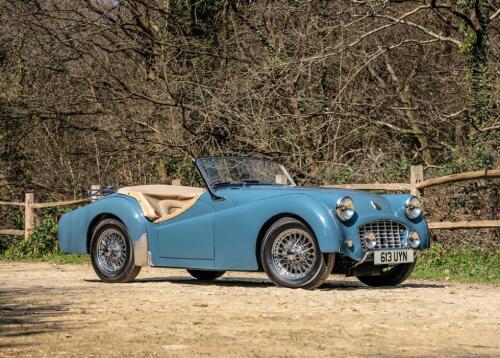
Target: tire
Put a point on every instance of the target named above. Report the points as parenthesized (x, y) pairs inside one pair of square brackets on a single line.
[(292, 266), (206, 275), (393, 277), (112, 253)]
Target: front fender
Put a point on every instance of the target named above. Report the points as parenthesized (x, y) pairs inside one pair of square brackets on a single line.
[(319, 218), (237, 228), (74, 227), (398, 202)]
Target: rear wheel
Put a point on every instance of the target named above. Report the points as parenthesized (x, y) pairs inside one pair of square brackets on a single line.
[(205, 275), (111, 252), (393, 276), (291, 257)]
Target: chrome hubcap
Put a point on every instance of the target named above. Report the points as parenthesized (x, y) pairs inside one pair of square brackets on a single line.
[(111, 250), (294, 254)]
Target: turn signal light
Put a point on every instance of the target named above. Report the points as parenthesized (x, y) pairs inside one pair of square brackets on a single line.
[(370, 240)]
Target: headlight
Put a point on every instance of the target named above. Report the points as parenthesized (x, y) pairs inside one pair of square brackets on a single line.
[(413, 207), (414, 240), (345, 208)]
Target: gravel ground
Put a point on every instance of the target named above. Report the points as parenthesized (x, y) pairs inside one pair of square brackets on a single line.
[(63, 310)]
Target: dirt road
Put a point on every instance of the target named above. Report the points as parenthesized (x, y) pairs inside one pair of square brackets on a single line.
[(50, 310)]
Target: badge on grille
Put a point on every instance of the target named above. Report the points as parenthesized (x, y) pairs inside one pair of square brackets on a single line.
[(375, 205)]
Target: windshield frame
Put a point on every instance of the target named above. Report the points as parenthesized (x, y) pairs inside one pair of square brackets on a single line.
[(212, 189)]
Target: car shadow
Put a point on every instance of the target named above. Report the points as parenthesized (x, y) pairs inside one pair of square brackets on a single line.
[(23, 318), (256, 282), (353, 285), (229, 281)]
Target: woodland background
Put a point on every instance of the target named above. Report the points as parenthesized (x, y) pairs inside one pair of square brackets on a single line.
[(128, 92)]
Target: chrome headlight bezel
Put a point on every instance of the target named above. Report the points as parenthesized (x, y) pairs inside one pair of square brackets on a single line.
[(345, 208), (370, 240), (413, 207), (414, 239)]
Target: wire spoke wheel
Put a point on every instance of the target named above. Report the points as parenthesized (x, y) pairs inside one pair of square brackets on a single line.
[(112, 253), (111, 250), (294, 254)]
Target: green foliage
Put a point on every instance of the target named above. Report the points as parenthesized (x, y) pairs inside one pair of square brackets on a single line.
[(15, 216), (56, 258), (395, 168), (173, 165), (475, 47), (463, 265), (182, 168), (41, 242), (197, 17), (477, 157), (10, 218)]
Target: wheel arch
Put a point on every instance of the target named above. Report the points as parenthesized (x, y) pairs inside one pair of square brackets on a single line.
[(127, 211), (95, 221), (267, 225)]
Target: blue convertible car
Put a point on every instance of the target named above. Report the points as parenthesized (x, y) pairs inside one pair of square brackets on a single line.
[(249, 217)]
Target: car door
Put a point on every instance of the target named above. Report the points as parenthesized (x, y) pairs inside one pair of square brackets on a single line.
[(189, 235)]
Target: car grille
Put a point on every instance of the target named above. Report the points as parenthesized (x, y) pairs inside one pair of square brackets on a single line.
[(390, 234)]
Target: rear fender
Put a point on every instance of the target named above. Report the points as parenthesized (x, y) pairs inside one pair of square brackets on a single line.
[(75, 227)]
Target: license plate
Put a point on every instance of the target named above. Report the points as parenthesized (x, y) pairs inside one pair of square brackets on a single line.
[(393, 257)]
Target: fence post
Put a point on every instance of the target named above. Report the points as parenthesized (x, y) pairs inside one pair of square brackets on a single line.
[(176, 182), (416, 176), (29, 216), (94, 192)]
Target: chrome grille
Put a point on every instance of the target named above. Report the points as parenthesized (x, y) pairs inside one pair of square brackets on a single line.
[(390, 234)]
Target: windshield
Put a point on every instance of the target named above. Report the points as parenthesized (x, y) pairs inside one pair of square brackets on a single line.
[(227, 171)]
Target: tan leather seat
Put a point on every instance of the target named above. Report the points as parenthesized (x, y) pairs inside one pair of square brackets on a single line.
[(163, 202)]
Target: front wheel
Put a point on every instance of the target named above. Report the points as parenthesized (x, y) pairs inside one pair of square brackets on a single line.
[(291, 257), (205, 275), (111, 252), (392, 277)]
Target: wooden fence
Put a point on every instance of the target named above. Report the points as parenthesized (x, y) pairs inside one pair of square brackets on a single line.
[(416, 186), (30, 208)]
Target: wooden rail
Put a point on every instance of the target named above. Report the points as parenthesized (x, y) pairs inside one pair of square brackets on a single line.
[(480, 174), (374, 186), (416, 176), (12, 232), (448, 225), (59, 203), (11, 203)]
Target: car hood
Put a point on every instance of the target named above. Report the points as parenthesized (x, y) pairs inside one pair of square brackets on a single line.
[(364, 201)]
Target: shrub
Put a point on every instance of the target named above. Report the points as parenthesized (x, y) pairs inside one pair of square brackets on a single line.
[(42, 241), (462, 264)]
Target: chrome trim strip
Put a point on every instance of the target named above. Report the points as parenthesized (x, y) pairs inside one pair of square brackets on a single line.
[(141, 251), (367, 253)]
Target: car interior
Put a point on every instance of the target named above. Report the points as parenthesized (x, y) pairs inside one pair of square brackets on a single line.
[(163, 202)]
